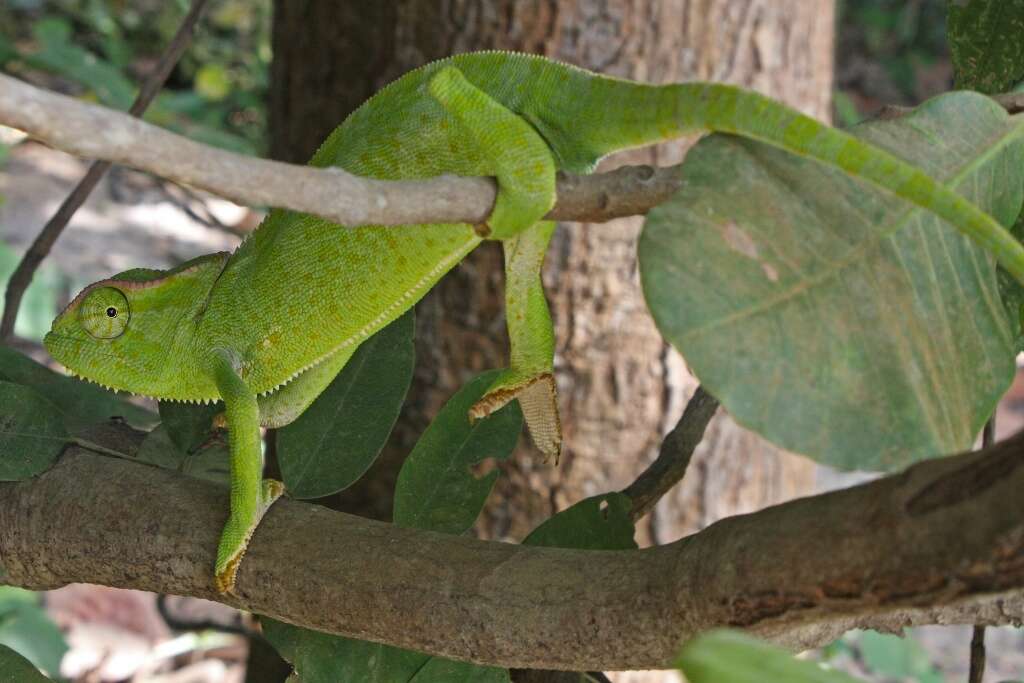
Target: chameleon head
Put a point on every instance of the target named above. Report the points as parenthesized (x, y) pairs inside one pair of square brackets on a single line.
[(133, 331), (97, 338)]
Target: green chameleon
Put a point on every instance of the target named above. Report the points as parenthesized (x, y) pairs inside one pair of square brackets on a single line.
[(268, 327)]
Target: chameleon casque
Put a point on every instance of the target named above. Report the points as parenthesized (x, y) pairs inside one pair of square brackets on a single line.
[(268, 327)]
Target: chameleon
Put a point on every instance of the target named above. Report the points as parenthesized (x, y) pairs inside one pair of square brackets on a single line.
[(267, 327)]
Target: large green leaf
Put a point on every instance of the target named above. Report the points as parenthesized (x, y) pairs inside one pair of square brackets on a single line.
[(82, 403), (595, 523), (985, 43), (339, 436), (732, 657), (32, 432), (829, 316), (437, 488), (324, 658), (16, 669)]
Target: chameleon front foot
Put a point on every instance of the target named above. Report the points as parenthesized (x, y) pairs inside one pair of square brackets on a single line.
[(538, 399), (236, 535)]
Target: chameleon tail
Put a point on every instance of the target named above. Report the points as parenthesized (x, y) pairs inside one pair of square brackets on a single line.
[(634, 114), (529, 377)]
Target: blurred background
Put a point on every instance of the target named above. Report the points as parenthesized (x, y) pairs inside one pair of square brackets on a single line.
[(885, 52)]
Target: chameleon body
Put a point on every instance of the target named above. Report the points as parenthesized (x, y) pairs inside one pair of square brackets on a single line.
[(267, 327)]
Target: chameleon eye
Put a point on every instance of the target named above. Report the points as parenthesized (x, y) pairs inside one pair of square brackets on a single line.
[(104, 313)]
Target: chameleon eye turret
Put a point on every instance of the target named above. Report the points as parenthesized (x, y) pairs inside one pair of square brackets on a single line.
[(104, 313)]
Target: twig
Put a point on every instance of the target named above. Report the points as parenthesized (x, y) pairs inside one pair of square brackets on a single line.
[(674, 456), (977, 655), (799, 573), (97, 132), (44, 241), (177, 624), (977, 670)]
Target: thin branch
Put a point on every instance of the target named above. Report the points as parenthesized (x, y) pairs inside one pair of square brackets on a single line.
[(942, 542), (668, 468), (977, 666), (44, 241), (96, 132), (977, 672)]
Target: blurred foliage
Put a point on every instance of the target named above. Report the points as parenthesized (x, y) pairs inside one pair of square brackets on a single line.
[(28, 630), (985, 41), (881, 655), (889, 52), (101, 49)]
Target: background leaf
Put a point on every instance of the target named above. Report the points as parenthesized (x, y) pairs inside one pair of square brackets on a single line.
[(16, 669), (439, 670), (985, 43), (596, 523), (188, 424), (32, 432), (324, 658), (339, 436), (436, 487), (832, 318), (732, 657), (899, 657), (26, 629), (82, 404)]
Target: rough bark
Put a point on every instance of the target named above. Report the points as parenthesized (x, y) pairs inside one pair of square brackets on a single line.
[(621, 386), (885, 554)]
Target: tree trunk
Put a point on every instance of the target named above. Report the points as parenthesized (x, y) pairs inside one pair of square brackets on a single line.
[(621, 387)]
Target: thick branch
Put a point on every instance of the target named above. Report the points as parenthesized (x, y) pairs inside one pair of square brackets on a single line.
[(96, 132), (941, 542)]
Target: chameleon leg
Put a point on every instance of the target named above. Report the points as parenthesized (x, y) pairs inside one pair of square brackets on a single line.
[(251, 495), (529, 377), (521, 159)]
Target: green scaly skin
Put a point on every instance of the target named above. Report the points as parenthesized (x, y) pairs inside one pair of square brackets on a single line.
[(268, 327)]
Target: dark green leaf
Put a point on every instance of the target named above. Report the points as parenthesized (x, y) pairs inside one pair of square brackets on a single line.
[(829, 316), (188, 424), (323, 658), (16, 669), (437, 488), (339, 436), (985, 43), (210, 462), (32, 432), (82, 404), (732, 657), (158, 449), (439, 670), (596, 523)]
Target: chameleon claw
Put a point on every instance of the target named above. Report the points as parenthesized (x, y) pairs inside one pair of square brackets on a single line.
[(236, 537), (538, 399)]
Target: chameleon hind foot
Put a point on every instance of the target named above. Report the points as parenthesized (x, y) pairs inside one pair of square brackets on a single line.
[(538, 399), (237, 533)]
